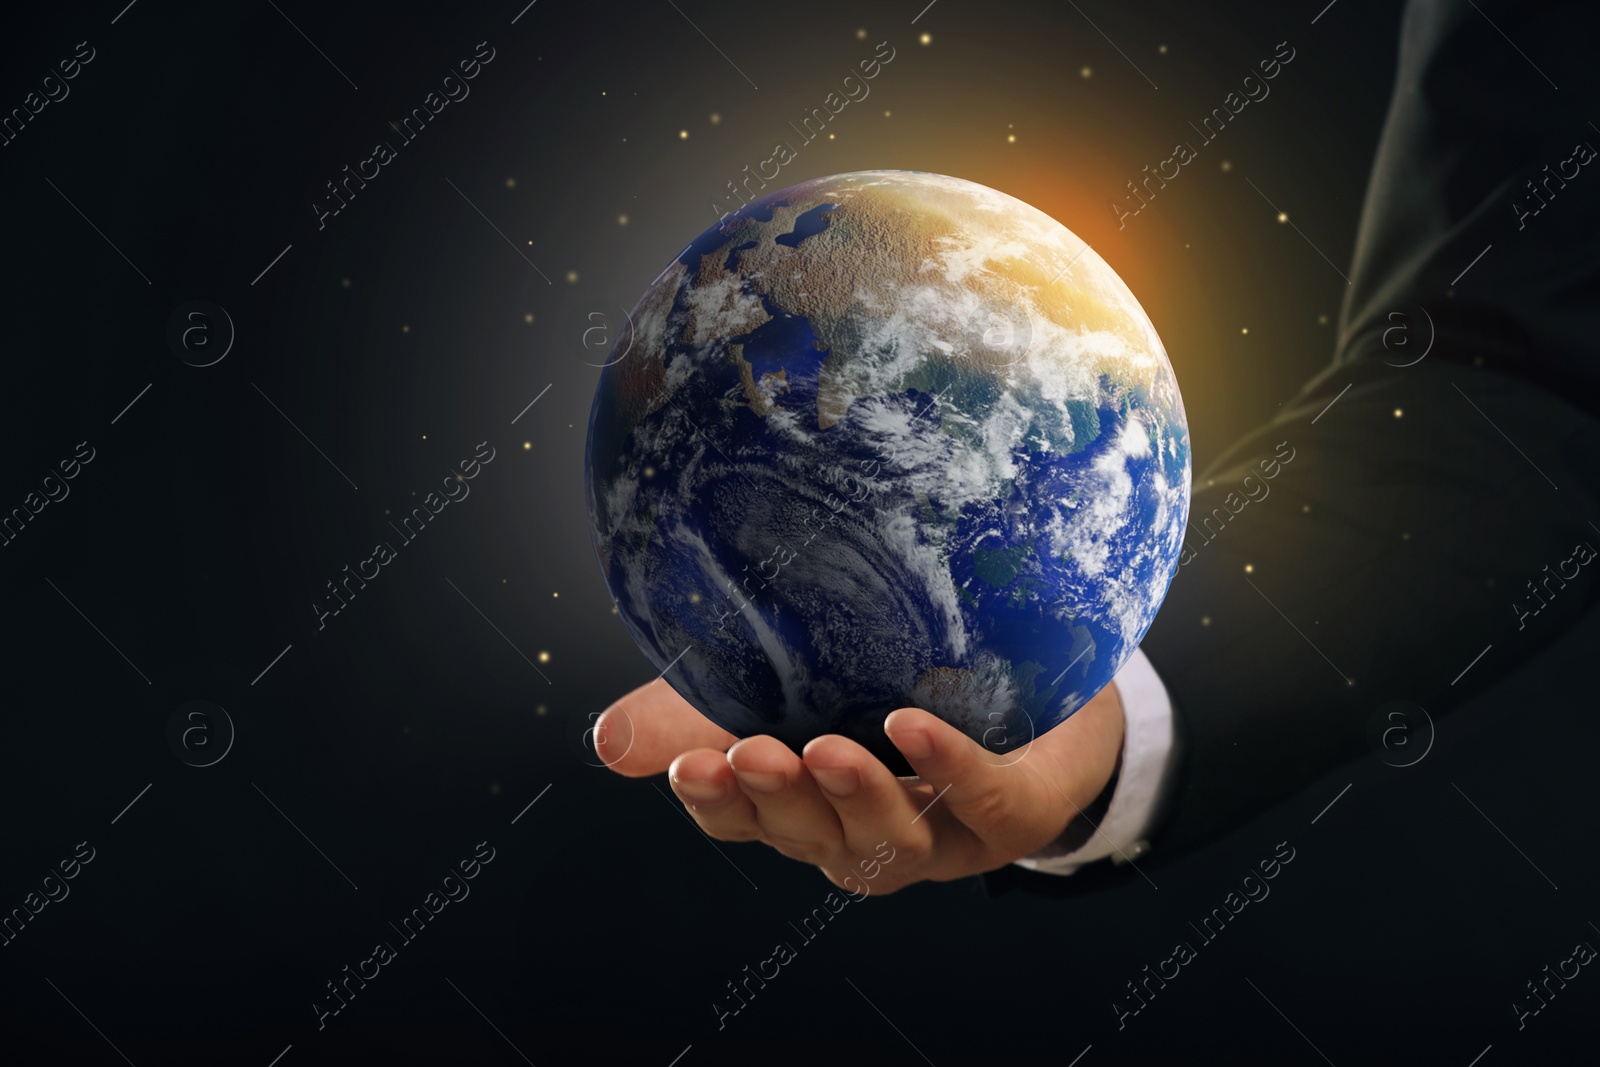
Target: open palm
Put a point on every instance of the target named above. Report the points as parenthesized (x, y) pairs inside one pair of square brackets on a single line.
[(967, 811)]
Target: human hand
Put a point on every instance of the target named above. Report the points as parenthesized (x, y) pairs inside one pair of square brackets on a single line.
[(968, 811)]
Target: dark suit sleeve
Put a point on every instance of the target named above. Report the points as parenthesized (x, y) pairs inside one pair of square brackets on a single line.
[(1395, 521)]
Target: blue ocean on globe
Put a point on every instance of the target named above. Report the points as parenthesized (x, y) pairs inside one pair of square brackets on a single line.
[(888, 439)]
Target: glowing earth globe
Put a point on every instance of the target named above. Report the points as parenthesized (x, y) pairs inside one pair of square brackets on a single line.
[(888, 439)]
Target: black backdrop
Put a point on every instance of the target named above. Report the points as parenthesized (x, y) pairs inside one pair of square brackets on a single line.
[(368, 356)]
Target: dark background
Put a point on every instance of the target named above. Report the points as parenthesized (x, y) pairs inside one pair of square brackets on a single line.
[(425, 717)]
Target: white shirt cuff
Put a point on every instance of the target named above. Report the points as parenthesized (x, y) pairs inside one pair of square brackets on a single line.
[(1147, 765)]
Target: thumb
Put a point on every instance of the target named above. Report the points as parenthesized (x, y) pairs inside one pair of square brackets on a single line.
[(996, 799)]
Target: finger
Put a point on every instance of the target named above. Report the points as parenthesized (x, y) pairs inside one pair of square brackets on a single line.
[(871, 878), (1002, 803), (704, 782), (873, 805), (794, 816), (643, 732)]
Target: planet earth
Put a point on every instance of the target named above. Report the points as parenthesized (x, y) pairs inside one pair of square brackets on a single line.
[(888, 439)]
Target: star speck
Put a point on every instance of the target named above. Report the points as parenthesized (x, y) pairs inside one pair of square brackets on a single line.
[(527, 446), (1282, 217), (1226, 166), (1249, 568), (511, 183), (926, 38), (1085, 72), (622, 220), (544, 657), (572, 275), (345, 282), (528, 317), (683, 135)]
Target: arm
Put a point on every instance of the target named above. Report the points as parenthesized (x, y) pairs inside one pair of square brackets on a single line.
[(1400, 540)]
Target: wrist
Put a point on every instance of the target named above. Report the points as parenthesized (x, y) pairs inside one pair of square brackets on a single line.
[(1100, 746), (1093, 780)]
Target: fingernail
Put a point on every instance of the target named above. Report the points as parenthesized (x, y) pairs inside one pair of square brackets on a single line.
[(611, 733), (914, 743), (840, 781), (762, 781), (699, 789)]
